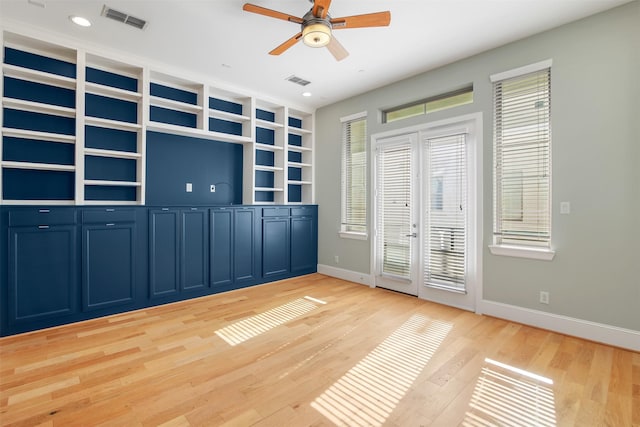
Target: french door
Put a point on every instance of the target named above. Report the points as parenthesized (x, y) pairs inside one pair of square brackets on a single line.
[(424, 231)]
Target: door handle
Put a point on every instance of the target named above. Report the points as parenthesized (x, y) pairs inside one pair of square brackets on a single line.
[(412, 235)]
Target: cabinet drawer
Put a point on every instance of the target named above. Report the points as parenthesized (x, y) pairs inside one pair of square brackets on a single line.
[(108, 215), (275, 212), (43, 216), (303, 211)]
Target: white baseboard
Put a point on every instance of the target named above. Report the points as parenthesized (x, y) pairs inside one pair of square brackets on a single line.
[(598, 332), (341, 273)]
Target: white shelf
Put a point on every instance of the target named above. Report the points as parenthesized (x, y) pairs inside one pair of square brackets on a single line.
[(269, 189), (38, 76), (224, 115), (299, 182), (111, 202), (268, 125), (157, 101), (112, 183), (38, 166), (112, 92), (299, 165), (112, 153), (43, 136), (111, 124), (197, 133), (298, 149), (39, 202), (38, 107), (268, 168), (267, 147), (298, 131)]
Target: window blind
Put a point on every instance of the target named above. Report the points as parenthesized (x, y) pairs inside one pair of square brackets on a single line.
[(445, 218), (354, 175), (522, 159), (394, 225)]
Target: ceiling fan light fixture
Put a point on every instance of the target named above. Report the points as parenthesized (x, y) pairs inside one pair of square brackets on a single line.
[(316, 35)]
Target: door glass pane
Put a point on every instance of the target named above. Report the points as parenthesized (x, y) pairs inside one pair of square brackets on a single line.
[(394, 209), (445, 221)]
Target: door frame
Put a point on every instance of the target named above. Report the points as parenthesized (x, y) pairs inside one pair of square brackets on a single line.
[(473, 125)]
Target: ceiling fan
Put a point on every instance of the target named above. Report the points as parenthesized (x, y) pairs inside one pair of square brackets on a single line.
[(316, 26)]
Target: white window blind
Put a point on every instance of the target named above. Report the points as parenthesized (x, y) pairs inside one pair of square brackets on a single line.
[(522, 159), (394, 227), (354, 175), (445, 217)]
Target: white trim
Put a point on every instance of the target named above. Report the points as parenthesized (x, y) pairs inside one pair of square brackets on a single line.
[(341, 273), (520, 71), (599, 332), (355, 116), (544, 254), (353, 235)]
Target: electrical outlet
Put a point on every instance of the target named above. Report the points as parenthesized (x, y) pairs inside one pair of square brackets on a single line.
[(189, 187), (565, 208), (212, 188), (336, 258), (544, 297)]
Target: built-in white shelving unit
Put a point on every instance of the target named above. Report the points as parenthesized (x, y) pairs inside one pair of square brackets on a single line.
[(93, 110)]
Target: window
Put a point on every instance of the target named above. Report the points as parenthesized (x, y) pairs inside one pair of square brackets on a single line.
[(522, 159), (428, 106), (354, 176)]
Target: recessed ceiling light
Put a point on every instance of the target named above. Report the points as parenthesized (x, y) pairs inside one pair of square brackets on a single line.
[(79, 20), (306, 93)]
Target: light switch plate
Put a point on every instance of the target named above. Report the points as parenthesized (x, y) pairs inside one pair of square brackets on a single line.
[(565, 208), (189, 188)]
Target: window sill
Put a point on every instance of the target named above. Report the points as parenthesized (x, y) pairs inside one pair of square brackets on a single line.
[(353, 235), (543, 254)]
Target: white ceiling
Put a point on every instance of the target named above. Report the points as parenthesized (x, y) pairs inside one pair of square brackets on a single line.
[(218, 39)]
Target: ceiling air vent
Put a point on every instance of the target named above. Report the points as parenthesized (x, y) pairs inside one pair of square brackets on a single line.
[(298, 80), (125, 18)]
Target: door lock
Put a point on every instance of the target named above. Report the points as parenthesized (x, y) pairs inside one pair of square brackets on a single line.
[(412, 235)]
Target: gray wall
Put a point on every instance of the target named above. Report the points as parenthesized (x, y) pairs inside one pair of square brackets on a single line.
[(596, 166)]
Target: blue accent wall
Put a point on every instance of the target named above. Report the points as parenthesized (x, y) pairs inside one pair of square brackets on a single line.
[(173, 160)]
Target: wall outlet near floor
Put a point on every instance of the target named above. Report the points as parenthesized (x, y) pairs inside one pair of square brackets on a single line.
[(336, 258), (544, 297), (189, 187)]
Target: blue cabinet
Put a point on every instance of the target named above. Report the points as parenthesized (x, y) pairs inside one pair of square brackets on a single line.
[(164, 249), (194, 249), (108, 258), (304, 253), (178, 250), (275, 247), (42, 267), (235, 247)]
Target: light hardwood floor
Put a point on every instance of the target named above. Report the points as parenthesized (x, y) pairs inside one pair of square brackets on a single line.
[(312, 351)]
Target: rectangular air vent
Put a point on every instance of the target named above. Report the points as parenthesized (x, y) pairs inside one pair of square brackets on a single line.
[(298, 80), (125, 18)]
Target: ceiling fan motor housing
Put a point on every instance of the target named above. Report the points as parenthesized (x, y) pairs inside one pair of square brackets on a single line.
[(316, 32)]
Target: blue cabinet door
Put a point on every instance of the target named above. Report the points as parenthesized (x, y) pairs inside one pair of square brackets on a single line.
[(164, 245), (221, 238), (275, 247), (194, 249), (108, 263), (43, 271), (304, 246), (246, 265)]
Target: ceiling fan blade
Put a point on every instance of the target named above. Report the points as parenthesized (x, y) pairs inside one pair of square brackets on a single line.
[(286, 45), (337, 50), (321, 8), (378, 19), (271, 13)]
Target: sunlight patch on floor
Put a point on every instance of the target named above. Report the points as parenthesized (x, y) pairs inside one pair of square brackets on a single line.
[(510, 396), (253, 326), (367, 394)]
